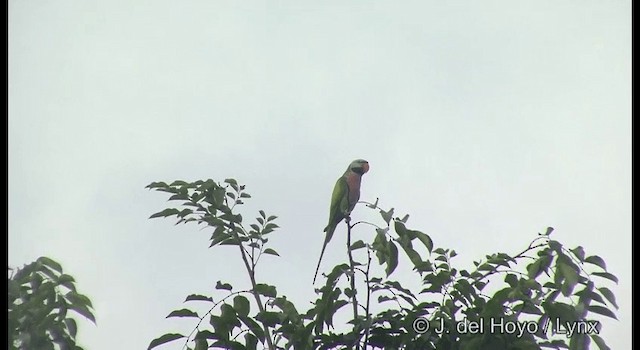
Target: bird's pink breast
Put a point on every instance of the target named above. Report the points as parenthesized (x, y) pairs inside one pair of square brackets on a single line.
[(353, 181)]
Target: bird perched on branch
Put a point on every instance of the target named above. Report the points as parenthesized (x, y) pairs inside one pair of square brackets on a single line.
[(346, 194)]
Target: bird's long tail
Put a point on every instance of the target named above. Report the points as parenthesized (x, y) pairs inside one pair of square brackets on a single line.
[(327, 238)]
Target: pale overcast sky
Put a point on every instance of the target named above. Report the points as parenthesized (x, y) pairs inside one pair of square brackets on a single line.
[(487, 121)]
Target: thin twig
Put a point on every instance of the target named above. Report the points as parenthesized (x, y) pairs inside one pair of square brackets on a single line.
[(209, 312), (252, 277), (520, 255), (352, 278), (368, 326), (368, 223)]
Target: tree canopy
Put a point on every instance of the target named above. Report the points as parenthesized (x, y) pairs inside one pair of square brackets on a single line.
[(546, 296)]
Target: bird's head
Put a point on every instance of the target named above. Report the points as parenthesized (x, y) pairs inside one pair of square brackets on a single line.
[(359, 166)]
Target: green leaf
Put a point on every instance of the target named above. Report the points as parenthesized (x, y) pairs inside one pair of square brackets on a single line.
[(569, 273), (253, 326), (557, 310), (269, 227), (392, 263), (53, 275), (579, 341), (606, 275), (357, 245), (383, 298), (183, 313), (204, 334), (566, 288), (198, 297), (533, 269), (156, 185), (184, 212), (511, 279), (201, 344), (380, 246), (78, 299), (232, 241), (222, 240), (84, 311), (223, 286), (531, 309), (579, 253), (268, 318), (596, 260), (608, 294), (177, 183), (165, 213), (386, 215), (65, 279), (251, 341), (229, 314), (486, 267), (164, 339), (232, 218), (556, 344), (266, 290), (288, 308), (271, 252), (219, 238), (555, 245), (600, 342), (71, 325), (50, 263), (241, 305), (401, 230), (179, 196), (415, 258), (233, 183), (36, 281), (602, 311), (587, 294), (424, 238), (349, 292), (545, 262), (217, 198)]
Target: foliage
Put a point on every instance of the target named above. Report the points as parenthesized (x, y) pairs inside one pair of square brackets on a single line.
[(546, 296), (40, 295)]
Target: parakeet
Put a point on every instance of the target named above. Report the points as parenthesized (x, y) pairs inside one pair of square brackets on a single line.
[(346, 194)]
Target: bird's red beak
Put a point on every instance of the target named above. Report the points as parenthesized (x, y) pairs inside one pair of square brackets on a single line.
[(365, 167)]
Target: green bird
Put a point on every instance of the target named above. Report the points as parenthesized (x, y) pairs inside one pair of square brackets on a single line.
[(346, 194)]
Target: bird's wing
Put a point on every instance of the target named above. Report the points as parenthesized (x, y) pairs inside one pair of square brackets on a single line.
[(339, 205), (339, 201)]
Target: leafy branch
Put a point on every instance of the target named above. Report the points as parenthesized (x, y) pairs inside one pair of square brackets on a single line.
[(40, 297), (545, 283)]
